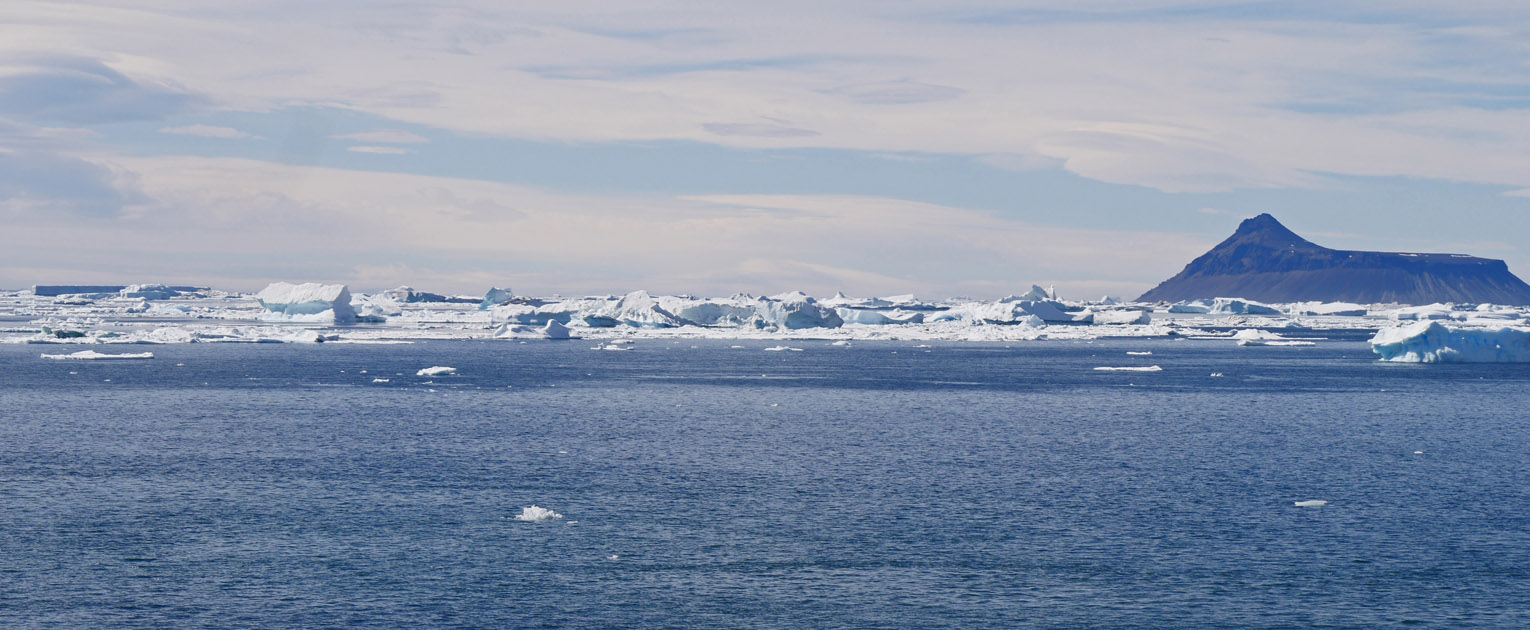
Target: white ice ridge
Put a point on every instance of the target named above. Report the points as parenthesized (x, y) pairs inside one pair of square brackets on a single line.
[(1256, 337), (309, 302), (438, 370), (1433, 342), (1150, 368), (93, 355), (535, 514)]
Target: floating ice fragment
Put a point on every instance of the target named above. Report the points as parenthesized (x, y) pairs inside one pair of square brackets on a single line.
[(1140, 354), (93, 355), (1150, 368), (1315, 503), (1216, 375), (612, 557), (536, 514), (781, 348), (1418, 452), (438, 370), (379, 380)]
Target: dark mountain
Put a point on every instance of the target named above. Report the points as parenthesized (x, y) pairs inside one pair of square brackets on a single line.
[(1264, 261)]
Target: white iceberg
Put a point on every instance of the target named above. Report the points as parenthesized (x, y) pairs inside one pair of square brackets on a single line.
[(536, 514), (795, 311), (1433, 342), (1424, 313), (1149, 368), (308, 302), (1313, 503), (495, 297), (92, 355), (439, 370), (1122, 317), (1224, 306), (869, 317), (1256, 337), (148, 292)]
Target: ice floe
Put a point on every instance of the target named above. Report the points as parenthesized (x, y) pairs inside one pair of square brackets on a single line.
[(1313, 503), (439, 370), (1149, 368), (534, 514), (1434, 342), (89, 355), (309, 302)]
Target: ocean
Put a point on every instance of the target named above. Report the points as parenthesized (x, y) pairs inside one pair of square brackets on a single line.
[(703, 485)]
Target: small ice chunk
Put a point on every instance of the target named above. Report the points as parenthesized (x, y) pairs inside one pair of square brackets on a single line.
[(439, 370), (536, 514), (1216, 375), (1150, 368), (379, 380), (1140, 354), (93, 355), (1314, 503), (782, 348)]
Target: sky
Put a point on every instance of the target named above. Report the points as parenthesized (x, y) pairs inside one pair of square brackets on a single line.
[(942, 148)]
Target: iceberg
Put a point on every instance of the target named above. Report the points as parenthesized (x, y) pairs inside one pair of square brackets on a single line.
[(148, 292), (439, 370), (795, 311), (495, 297), (1150, 368), (637, 309), (1256, 337), (1122, 317), (870, 317), (92, 355), (1433, 342), (308, 302), (536, 514), (1423, 313), (1224, 306)]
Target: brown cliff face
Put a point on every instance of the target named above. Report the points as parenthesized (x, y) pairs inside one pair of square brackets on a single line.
[(1264, 261)]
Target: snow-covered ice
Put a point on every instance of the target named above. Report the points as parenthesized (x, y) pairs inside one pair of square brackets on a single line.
[(439, 370), (536, 514), (308, 302), (1434, 342), (88, 355)]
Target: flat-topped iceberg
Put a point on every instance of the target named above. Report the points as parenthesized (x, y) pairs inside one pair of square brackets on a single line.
[(1224, 306), (1433, 342), (308, 302)]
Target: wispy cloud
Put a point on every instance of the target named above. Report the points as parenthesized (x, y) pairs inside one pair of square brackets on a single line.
[(378, 150), (210, 131), (385, 136)]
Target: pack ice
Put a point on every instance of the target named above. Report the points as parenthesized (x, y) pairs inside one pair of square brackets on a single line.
[(307, 302), (1433, 342)]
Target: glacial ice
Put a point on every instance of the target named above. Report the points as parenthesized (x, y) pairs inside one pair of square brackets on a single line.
[(495, 297), (536, 514), (439, 370), (1433, 342), (308, 302), (148, 292), (89, 355), (1224, 306)]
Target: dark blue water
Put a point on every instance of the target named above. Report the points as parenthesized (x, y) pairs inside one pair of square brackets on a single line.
[(876, 486)]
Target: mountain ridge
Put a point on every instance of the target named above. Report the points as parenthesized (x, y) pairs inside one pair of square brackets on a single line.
[(1265, 261)]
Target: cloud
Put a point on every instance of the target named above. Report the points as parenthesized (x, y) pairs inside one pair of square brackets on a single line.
[(83, 90), (378, 150), (258, 220), (758, 130), (385, 136), (897, 92), (209, 131)]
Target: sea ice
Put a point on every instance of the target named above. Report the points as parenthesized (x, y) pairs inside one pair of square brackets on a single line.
[(1433, 342), (1315, 503), (1150, 368), (536, 514), (93, 355), (438, 370), (309, 302)]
